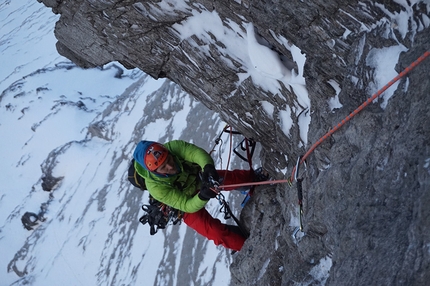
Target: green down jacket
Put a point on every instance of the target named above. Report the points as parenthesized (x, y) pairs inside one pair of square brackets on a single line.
[(179, 191)]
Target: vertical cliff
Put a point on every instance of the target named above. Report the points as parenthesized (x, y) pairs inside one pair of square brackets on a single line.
[(366, 187)]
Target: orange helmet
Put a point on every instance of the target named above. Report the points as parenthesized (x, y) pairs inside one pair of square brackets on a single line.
[(155, 156)]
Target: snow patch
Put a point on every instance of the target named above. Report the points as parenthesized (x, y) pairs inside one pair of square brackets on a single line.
[(263, 269), (286, 121), (334, 101), (268, 108), (427, 163), (321, 271), (384, 61), (264, 60)]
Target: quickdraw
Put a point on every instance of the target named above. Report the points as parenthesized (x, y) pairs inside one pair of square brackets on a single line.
[(158, 216), (246, 145), (225, 208), (299, 181)]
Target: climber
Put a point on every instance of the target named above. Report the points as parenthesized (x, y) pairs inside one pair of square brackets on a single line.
[(181, 175)]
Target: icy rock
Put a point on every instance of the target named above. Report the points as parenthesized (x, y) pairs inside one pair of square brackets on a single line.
[(264, 59)]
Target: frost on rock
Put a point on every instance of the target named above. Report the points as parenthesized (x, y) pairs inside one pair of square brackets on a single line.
[(268, 108), (321, 271), (384, 61), (334, 101), (265, 60), (286, 121)]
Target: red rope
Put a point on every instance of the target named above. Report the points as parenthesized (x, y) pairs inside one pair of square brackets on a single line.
[(362, 106), (255, 184)]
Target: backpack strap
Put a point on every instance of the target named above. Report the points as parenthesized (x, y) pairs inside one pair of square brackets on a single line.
[(134, 178)]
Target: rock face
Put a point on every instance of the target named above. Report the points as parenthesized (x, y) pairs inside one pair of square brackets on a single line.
[(367, 187)]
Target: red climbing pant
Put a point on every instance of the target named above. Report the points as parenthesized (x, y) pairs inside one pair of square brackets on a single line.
[(212, 228)]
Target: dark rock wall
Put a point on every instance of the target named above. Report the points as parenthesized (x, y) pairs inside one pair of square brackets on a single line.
[(367, 186)]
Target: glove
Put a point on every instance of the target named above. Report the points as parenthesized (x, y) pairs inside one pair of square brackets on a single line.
[(209, 174), (206, 193)]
